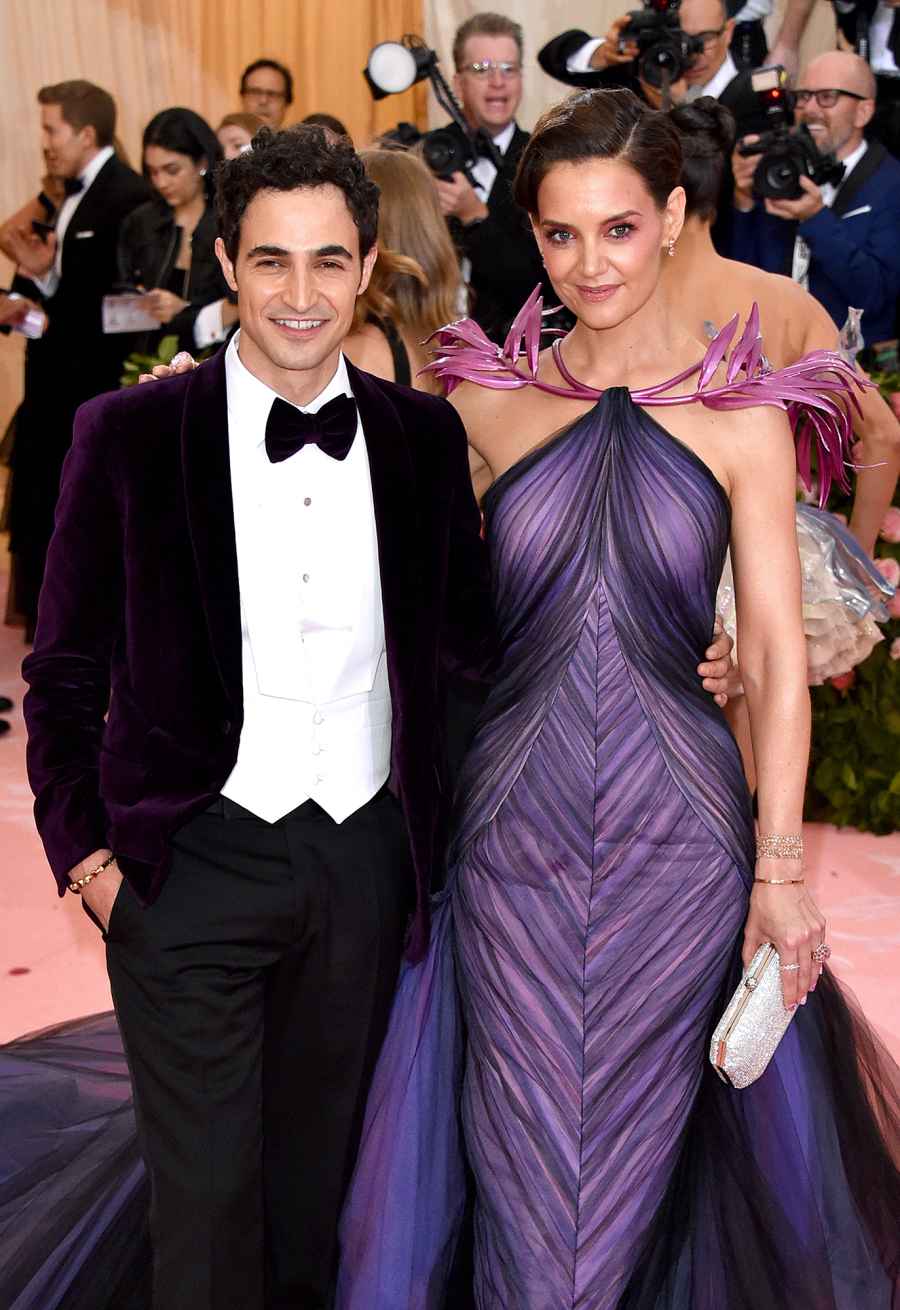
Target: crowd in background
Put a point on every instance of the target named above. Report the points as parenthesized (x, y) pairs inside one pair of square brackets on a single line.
[(101, 235)]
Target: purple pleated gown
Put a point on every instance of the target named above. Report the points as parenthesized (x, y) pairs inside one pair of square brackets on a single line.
[(603, 857), (603, 860)]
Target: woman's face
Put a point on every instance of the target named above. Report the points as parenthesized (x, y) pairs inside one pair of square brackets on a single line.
[(233, 139), (176, 177), (602, 238)]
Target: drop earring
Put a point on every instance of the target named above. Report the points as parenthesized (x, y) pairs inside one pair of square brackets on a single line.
[(671, 249)]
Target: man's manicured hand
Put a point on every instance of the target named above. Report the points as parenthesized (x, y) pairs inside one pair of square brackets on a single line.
[(806, 206), (181, 363), (459, 199), (721, 676), (100, 895)]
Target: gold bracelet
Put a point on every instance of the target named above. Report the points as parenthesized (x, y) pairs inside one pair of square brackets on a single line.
[(85, 878), (779, 848), (780, 882)]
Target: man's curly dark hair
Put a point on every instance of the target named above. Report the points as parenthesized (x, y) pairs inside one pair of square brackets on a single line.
[(302, 156)]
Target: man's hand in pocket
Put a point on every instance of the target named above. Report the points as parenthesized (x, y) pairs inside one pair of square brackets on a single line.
[(100, 894)]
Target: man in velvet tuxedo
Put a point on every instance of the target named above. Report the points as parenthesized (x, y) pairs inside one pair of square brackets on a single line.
[(262, 567), (69, 269)]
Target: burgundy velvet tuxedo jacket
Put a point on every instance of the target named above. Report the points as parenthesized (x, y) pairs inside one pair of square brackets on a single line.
[(140, 616)]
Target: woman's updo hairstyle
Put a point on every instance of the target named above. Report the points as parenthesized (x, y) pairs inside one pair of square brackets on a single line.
[(601, 125), (707, 132)]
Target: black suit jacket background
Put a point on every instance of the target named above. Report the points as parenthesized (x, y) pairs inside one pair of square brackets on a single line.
[(71, 363), (74, 346)]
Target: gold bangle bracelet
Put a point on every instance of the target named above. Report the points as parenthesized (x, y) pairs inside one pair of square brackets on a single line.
[(779, 848), (780, 882), (85, 878)]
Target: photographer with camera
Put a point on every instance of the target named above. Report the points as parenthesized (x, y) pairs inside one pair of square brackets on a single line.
[(490, 231), (822, 204), (711, 41)]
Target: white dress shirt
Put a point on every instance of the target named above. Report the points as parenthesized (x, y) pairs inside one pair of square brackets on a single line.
[(802, 253), (483, 171), (48, 284), (317, 706), (725, 74)]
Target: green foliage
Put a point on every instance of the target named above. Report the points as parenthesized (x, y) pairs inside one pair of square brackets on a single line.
[(854, 777), (137, 363)]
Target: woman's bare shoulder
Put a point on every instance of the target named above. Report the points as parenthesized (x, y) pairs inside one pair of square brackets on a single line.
[(792, 321), (758, 440), (367, 347), (486, 413)]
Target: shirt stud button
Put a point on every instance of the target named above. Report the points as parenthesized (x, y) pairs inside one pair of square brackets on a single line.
[(306, 577), (307, 500)]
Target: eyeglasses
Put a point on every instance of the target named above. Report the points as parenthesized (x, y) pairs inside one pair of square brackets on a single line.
[(485, 67), (263, 93), (708, 39), (826, 99)]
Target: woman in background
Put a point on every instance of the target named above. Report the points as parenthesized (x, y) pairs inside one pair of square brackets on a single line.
[(167, 246), (841, 589), (235, 132), (416, 284)]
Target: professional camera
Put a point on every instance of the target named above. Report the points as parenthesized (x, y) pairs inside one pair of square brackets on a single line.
[(788, 152), (664, 50), (394, 66)]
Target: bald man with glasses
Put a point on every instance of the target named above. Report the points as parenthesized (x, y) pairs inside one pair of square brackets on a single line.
[(840, 240)]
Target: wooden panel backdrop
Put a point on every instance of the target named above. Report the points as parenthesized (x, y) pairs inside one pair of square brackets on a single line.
[(154, 53)]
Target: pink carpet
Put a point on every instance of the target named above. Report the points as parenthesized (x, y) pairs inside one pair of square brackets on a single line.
[(51, 957)]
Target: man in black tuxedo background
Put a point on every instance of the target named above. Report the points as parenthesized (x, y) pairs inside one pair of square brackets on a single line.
[(68, 270), (501, 261)]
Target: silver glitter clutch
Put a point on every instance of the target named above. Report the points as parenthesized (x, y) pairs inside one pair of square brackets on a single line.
[(753, 1024)]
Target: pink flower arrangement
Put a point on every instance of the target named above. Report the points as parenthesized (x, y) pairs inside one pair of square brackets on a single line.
[(895, 649), (842, 682), (889, 570), (890, 527)]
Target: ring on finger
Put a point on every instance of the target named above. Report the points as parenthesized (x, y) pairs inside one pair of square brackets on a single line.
[(821, 953), (789, 968)]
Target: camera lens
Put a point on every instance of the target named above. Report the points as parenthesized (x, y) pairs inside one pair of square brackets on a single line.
[(659, 60), (782, 178), (442, 153)]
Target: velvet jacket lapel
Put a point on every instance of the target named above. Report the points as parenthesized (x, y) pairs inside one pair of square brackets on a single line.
[(397, 513), (209, 506)]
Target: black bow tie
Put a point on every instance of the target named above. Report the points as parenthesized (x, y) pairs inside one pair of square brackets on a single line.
[(72, 186), (332, 429)]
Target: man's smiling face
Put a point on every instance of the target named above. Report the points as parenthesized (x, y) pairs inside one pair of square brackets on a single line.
[(297, 273)]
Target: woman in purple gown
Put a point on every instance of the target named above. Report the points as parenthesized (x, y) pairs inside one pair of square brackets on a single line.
[(604, 855)]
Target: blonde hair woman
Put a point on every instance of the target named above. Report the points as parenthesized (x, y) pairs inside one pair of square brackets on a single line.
[(415, 287)]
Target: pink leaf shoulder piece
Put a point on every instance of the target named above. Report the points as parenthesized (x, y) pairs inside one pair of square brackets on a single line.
[(818, 392)]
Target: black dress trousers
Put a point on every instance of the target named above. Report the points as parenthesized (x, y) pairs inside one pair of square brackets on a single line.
[(253, 998)]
